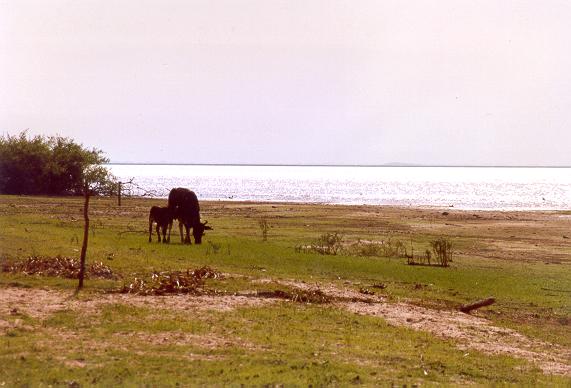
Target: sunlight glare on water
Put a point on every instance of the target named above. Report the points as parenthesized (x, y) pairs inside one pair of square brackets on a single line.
[(461, 187)]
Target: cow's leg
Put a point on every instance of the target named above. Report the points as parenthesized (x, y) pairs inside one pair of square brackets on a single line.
[(158, 232), (180, 231), (169, 235), (187, 237), (164, 228), (150, 229)]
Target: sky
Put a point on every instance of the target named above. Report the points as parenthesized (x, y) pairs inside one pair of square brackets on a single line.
[(434, 82)]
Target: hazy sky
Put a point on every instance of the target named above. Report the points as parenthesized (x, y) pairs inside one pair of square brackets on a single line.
[(293, 82)]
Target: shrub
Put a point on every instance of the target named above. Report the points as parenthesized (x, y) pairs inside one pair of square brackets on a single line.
[(264, 228), (332, 244), (442, 249), (214, 246), (363, 248), (298, 295), (394, 248), (326, 244), (329, 243), (51, 166)]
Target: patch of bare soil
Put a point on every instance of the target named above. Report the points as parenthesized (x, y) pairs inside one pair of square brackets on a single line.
[(40, 303), (36, 303), (470, 332)]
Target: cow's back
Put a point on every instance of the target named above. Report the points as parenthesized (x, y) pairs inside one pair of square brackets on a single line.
[(184, 204)]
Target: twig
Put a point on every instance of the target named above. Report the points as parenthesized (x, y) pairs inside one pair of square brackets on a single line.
[(551, 289), (132, 231)]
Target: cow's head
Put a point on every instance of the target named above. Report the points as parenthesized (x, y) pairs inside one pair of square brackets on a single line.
[(198, 231)]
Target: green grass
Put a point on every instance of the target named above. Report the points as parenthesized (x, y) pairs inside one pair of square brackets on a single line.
[(283, 343)]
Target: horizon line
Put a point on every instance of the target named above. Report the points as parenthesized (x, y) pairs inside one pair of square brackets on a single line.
[(333, 165)]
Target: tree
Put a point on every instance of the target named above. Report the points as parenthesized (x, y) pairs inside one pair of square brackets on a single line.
[(95, 180), (54, 165), (51, 165)]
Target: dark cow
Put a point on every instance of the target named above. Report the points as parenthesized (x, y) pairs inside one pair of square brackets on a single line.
[(163, 217), (183, 204)]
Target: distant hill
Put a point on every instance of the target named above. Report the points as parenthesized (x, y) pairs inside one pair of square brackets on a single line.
[(401, 164)]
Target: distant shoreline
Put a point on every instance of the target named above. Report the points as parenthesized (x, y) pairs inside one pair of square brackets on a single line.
[(449, 209), (238, 202), (328, 165)]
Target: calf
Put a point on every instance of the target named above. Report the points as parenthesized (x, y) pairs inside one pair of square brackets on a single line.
[(163, 217)]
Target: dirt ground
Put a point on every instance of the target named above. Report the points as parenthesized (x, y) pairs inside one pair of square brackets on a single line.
[(537, 236), (468, 331)]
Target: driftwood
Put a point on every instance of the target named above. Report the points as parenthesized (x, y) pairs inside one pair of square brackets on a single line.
[(476, 305)]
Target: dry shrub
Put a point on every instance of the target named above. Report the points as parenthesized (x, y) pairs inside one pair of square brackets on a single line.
[(298, 295), (65, 267), (333, 244), (394, 248), (389, 248), (326, 244), (442, 249), (441, 254), (172, 282), (214, 246), (369, 249), (206, 273), (366, 291), (264, 228)]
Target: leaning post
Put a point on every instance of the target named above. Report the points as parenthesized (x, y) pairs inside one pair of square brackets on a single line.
[(85, 238)]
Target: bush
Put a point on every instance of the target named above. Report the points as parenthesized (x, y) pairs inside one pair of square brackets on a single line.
[(50, 166), (329, 243), (394, 248), (367, 248), (264, 228), (388, 248), (442, 249), (326, 244)]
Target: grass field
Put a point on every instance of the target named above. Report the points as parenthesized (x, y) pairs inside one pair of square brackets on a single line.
[(389, 322)]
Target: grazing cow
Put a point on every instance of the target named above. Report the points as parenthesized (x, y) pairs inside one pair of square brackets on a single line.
[(183, 204), (163, 217)]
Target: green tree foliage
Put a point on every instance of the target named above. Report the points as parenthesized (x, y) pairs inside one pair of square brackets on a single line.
[(51, 165)]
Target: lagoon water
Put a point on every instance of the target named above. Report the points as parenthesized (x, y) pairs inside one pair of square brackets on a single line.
[(474, 188)]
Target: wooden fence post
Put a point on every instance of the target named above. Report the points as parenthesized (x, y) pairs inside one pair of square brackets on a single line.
[(85, 237)]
